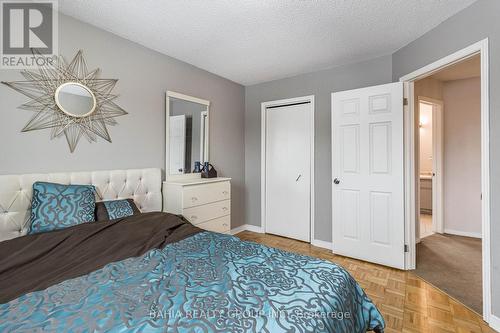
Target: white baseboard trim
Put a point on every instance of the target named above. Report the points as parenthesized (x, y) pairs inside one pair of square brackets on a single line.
[(247, 227), (238, 229), (494, 322), (463, 233), (323, 244)]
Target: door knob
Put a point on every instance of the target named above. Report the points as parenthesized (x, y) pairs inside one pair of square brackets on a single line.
[(336, 181)]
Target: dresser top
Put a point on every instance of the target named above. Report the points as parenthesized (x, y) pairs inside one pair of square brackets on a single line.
[(196, 181)]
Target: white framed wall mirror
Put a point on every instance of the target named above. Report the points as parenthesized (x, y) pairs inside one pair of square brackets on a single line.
[(187, 134)]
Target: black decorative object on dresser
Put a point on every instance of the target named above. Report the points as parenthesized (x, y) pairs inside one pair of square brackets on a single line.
[(208, 171)]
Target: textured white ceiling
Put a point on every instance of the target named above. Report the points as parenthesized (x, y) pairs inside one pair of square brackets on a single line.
[(252, 41)]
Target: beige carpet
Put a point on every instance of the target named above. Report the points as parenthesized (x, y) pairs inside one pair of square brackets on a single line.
[(453, 264)]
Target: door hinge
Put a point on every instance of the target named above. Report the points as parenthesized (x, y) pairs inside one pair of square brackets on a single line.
[(405, 101), (406, 248)]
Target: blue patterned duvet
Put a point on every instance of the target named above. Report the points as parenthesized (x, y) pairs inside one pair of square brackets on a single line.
[(208, 282)]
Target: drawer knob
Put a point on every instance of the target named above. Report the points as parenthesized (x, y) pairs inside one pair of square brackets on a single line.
[(225, 192), (224, 224), (194, 217), (224, 208), (194, 198)]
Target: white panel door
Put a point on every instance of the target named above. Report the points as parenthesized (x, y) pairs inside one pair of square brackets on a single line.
[(177, 140), (367, 161), (288, 171)]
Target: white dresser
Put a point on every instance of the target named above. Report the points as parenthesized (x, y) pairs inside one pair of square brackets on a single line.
[(205, 202)]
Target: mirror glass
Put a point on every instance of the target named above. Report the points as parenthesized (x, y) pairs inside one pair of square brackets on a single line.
[(188, 135), (75, 99)]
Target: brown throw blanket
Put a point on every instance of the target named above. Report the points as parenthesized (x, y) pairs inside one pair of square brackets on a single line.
[(36, 262)]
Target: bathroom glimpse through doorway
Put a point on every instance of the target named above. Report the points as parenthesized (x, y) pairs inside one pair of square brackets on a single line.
[(430, 112)]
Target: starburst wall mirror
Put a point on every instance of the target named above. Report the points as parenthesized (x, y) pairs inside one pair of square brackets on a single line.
[(70, 100)]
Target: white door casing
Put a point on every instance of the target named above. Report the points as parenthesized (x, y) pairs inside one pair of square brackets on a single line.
[(288, 135), (177, 142), (368, 184)]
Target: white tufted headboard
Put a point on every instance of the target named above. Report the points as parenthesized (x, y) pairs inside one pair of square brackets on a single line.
[(142, 185)]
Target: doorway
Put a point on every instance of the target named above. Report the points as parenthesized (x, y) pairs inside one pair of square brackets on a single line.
[(449, 257), (465, 202), (287, 152)]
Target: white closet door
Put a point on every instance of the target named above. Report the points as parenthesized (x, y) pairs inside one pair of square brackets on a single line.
[(177, 151), (367, 160), (288, 171)]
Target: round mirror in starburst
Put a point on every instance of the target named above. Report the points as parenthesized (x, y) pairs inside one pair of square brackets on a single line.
[(69, 99), (75, 99)]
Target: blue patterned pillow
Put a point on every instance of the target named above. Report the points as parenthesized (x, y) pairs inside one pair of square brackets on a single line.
[(115, 209), (57, 206)]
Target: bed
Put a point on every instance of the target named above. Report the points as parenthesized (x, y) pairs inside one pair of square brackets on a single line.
[(155, 272)]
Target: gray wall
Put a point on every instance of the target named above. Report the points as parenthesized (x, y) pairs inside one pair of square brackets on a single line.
[(321, 85), (139, 138), (474, 23)]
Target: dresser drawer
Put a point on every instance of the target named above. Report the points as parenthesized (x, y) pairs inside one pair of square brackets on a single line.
[(221, 224), (207, 212), (197, 195)]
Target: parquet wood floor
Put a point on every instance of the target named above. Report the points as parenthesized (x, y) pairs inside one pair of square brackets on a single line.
[(408, 303)]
